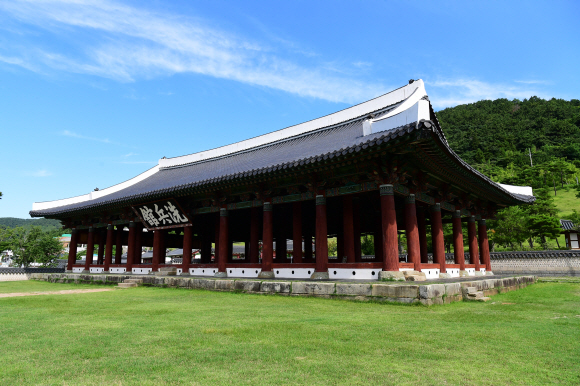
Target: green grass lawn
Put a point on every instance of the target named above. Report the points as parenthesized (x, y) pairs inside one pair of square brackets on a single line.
[(151, 336), (38, 286), (566, 201)]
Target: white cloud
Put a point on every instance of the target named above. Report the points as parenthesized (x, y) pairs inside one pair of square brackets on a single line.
[(130, 155), (134, 43), (452, 92), (67, 133), (40, 173)]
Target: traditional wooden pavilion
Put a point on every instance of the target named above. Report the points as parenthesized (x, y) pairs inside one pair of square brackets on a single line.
[(381, 167)]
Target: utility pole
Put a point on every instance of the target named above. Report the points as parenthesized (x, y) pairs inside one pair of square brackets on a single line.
[(530, 150)]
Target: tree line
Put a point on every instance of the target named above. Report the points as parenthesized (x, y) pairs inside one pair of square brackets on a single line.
[(534, 142)]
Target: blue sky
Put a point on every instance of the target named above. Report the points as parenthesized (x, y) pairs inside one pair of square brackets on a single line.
[(94, 92)]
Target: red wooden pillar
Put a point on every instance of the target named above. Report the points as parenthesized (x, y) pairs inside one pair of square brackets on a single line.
[(254, 256), (72, 249), (348, 230), (101, 250), (109, 247), (158, 249), (321, 236), (118, 244), (130, 247), (484, 244), (297, 232), (458, 252), (422, 227), (473, 247), (267, 239), (216, 237), (389, 229), (437, 235), (224, 241), (138, 254), (356, 228), (412, 232), (187, 240), (90, 249)]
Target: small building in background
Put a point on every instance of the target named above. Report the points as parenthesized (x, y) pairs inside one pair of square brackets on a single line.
[(570, 231)]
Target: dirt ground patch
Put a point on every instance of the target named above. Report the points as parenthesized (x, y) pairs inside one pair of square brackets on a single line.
[(63, 292)]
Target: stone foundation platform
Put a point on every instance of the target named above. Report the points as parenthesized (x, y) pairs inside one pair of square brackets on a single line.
[(401, 292)]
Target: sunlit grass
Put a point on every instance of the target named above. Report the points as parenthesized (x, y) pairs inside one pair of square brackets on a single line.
[(149, 336)]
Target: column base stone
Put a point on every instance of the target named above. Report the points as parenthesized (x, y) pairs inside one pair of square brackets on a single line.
[(221, 274), (391, 276), (444, 276), (414, 276), (463, 274), (320, 276), (266, 275), (479, 273), (488, 273), (86, 271)]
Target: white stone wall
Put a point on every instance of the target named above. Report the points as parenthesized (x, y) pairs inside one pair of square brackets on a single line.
[(13, 276), (541, 266)]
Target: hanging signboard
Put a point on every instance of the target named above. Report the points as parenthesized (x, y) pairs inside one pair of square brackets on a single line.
[(162, 214)]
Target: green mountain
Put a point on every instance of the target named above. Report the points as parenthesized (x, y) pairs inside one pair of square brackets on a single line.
[(45, 224), (502, 132)]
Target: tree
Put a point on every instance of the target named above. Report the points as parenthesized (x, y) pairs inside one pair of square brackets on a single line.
[(367, 245), (510, 227), (33, 245), (543, 222), (575, 218)]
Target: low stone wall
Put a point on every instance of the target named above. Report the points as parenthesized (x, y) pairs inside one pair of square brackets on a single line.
[(13, 276), (18, 274), (382, 291)]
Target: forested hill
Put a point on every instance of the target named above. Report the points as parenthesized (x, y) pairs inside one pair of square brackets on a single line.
[(500, 132), (45, 224)]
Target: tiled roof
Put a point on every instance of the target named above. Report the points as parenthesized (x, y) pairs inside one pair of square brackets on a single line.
[(567, 225), (303, 148)]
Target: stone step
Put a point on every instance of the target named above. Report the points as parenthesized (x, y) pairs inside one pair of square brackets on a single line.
[(476, 295), (416, 278), (127, 285), (483, 299), (136, 281)]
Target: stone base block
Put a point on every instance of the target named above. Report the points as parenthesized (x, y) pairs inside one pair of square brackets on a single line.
[(463, 274), (85, 271), (478, 273), (221, 274), (312, 288), (391, 276), (168, 271), (488, 273), (283, 287), (353, 289), (415, 276), (320, 276), (247, 286), (266, 275), (444, 276)]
